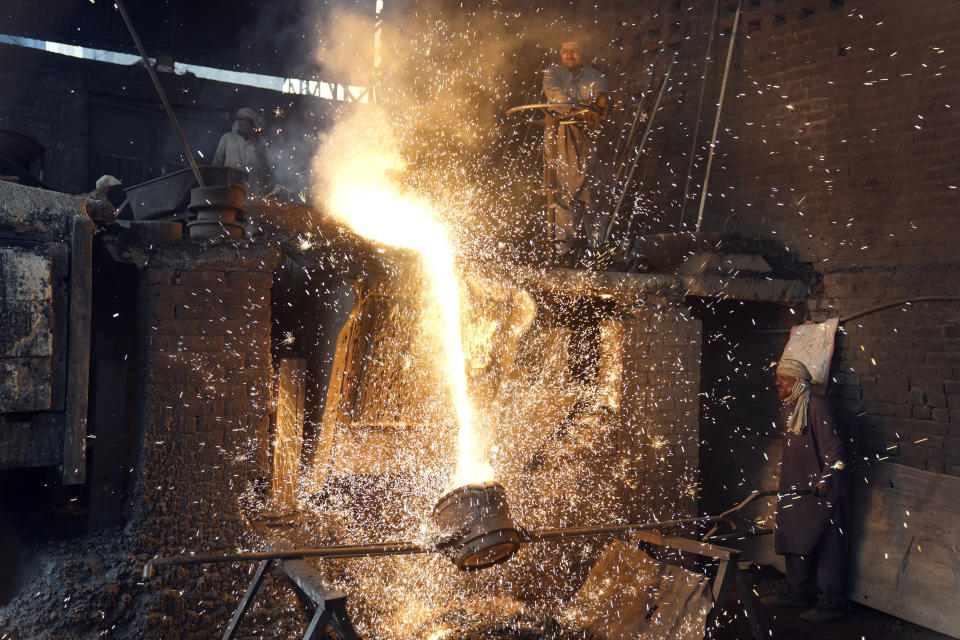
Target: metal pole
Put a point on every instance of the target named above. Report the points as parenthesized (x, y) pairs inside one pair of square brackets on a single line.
[(643, 142), (696, 128), (335, 551), (550, 134), (641, 104), (625, 112), (716, 121), (161, 92), (406, 548)]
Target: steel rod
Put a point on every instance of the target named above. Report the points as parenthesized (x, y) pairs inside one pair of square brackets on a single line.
[(639, 153), (637, 101), (409, 548), (716, 120), (621, 160), (160, 92), (696, 126), (583, 532), (334, 551), (867, 311)]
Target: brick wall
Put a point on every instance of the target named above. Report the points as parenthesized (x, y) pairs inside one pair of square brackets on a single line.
[(838, 139), (659, 432), (898, 377), (94, 118), (52, 109), (204, 385)]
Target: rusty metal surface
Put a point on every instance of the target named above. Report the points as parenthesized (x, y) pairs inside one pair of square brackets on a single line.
[(479, 514), (27, 317)]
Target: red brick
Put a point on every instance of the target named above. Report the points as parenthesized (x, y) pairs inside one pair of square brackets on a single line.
[(202, 279)]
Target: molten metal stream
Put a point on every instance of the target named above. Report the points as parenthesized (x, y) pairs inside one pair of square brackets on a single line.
[(363, 195)]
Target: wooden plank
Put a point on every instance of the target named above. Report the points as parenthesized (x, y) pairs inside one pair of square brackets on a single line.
[(686, 544), (905, 544), (630, 596), (288, 437), (337, 409), (78, 351)]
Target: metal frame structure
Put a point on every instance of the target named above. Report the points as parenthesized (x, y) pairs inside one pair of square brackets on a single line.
[(329, 604), (324, 605)]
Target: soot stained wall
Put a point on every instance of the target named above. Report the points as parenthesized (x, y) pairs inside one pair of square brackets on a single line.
[(205, 381), (838, 139), (95, 118)]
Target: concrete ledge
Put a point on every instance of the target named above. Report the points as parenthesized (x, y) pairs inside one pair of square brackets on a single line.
[(31, 210), (633, 286)]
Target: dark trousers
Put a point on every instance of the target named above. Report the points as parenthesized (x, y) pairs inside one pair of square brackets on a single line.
[(825, 568)]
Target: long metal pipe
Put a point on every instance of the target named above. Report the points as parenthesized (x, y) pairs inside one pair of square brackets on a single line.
[(409, 548), (334, 551), (620, 157), (696, 126), (160, 92), (716, 120), (639, 153)]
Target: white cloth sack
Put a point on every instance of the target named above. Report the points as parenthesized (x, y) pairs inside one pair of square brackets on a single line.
[(812, 344)]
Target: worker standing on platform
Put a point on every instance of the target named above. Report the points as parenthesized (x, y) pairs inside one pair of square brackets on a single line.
[(811, 529), (571, 152), (242, 147)]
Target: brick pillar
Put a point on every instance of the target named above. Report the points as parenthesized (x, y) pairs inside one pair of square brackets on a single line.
[(204, 395), (660, 431)]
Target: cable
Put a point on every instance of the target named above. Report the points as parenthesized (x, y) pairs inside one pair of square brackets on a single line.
[(869, 310)]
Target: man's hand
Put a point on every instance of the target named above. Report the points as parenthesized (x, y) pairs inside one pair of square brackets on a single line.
[(594, 118)]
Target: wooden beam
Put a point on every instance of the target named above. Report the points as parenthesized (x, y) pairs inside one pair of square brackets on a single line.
[(686, 544), (78, 351), (288, 438), (905, 544)]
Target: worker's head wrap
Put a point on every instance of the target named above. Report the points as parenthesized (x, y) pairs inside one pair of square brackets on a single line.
[(800, 396), (250, 114)]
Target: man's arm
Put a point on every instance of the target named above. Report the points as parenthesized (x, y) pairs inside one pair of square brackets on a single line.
[(552, 86), (595, 119)]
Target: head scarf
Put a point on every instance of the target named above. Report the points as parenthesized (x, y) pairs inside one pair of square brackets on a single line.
[(258, 120), (800, 396)]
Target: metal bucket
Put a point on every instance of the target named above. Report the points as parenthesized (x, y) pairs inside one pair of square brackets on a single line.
[(480, 516)]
